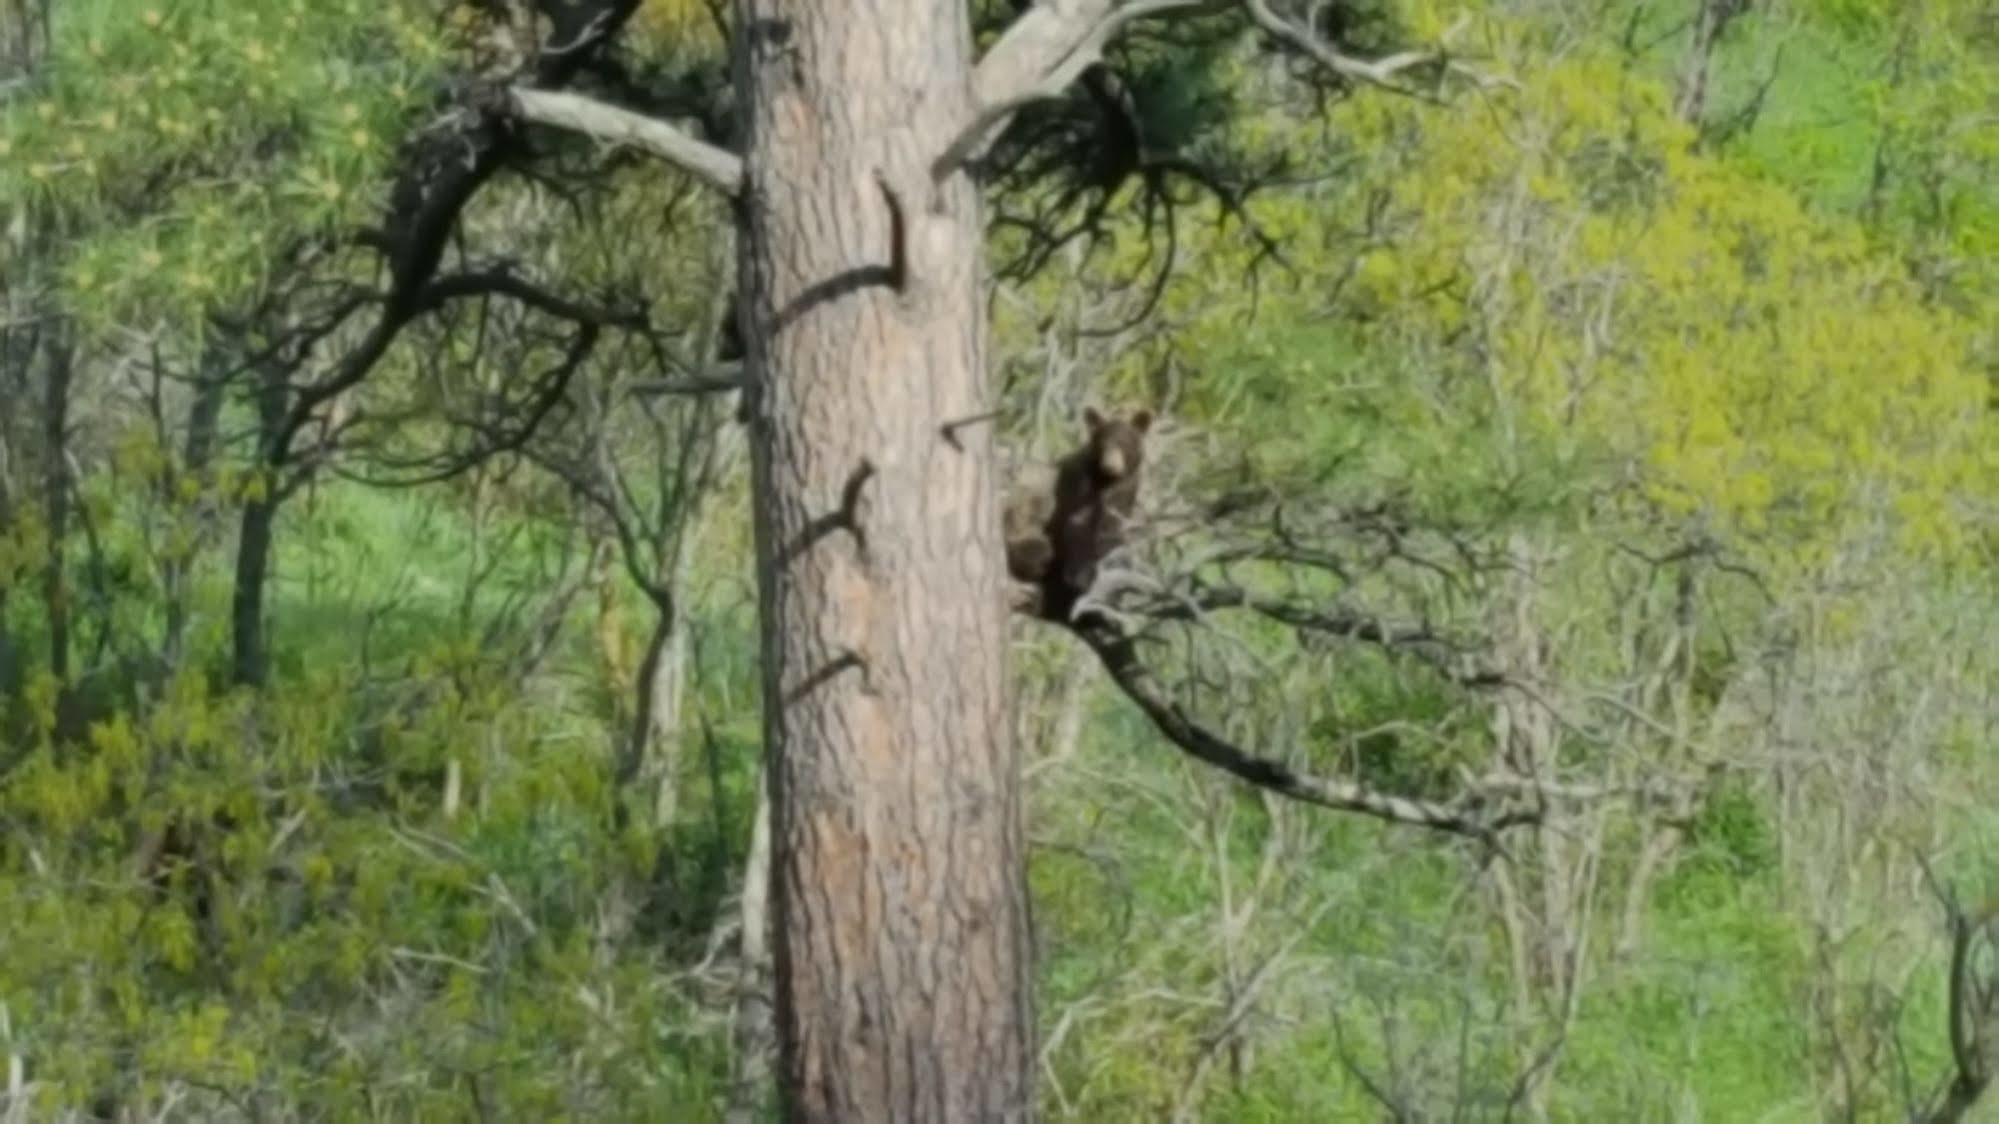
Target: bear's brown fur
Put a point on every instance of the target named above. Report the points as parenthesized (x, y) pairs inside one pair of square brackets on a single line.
[(1060, 526)]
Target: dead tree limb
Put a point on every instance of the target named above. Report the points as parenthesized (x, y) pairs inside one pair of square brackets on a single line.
[(1118, 652), (616, 126)]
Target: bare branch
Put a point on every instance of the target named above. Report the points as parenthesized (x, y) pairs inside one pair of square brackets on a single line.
[(724, 379), (1050, 46), (517, 422), (501, 281), (612, 125), (1044, 51), (1119, 655), (1418, 640), (357, 364), (1386, 72)]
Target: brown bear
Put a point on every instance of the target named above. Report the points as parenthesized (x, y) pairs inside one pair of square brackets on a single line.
[(1060, 525)]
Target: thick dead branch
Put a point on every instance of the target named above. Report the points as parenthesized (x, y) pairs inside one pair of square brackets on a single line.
[(1052, 44), (611, 125), (1118, 652), (1047, 48)]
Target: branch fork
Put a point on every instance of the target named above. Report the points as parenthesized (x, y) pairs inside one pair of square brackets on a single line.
[(1038, 58)]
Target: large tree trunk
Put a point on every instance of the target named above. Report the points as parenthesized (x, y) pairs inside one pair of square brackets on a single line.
[(898, 884)]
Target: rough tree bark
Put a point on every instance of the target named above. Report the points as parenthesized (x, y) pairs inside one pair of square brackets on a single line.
[(898, 890)]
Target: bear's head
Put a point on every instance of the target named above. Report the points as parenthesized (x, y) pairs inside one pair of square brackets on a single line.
[(1117, 445)]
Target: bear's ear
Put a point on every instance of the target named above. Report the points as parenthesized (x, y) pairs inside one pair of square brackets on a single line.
[(1142, 420), (1092, 419)]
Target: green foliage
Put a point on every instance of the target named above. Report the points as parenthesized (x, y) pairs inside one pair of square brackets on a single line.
[(190, 144), (1551, 312), (315, 865), (1733, 834), (402, 880)]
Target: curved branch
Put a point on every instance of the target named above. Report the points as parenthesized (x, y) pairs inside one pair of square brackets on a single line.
[(613, 125), (1045, 50), (1118, 653), (1050, 46), (442, 167), (1974, 1019), (497, 437), (357, 364), (1386, 72)]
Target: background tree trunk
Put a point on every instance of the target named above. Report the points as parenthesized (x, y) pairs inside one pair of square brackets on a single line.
[(1710, 22), (750, 1033), (204, 415), (898, 883), (56, 500), (249, 655), (24, 38), (253, 565)]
